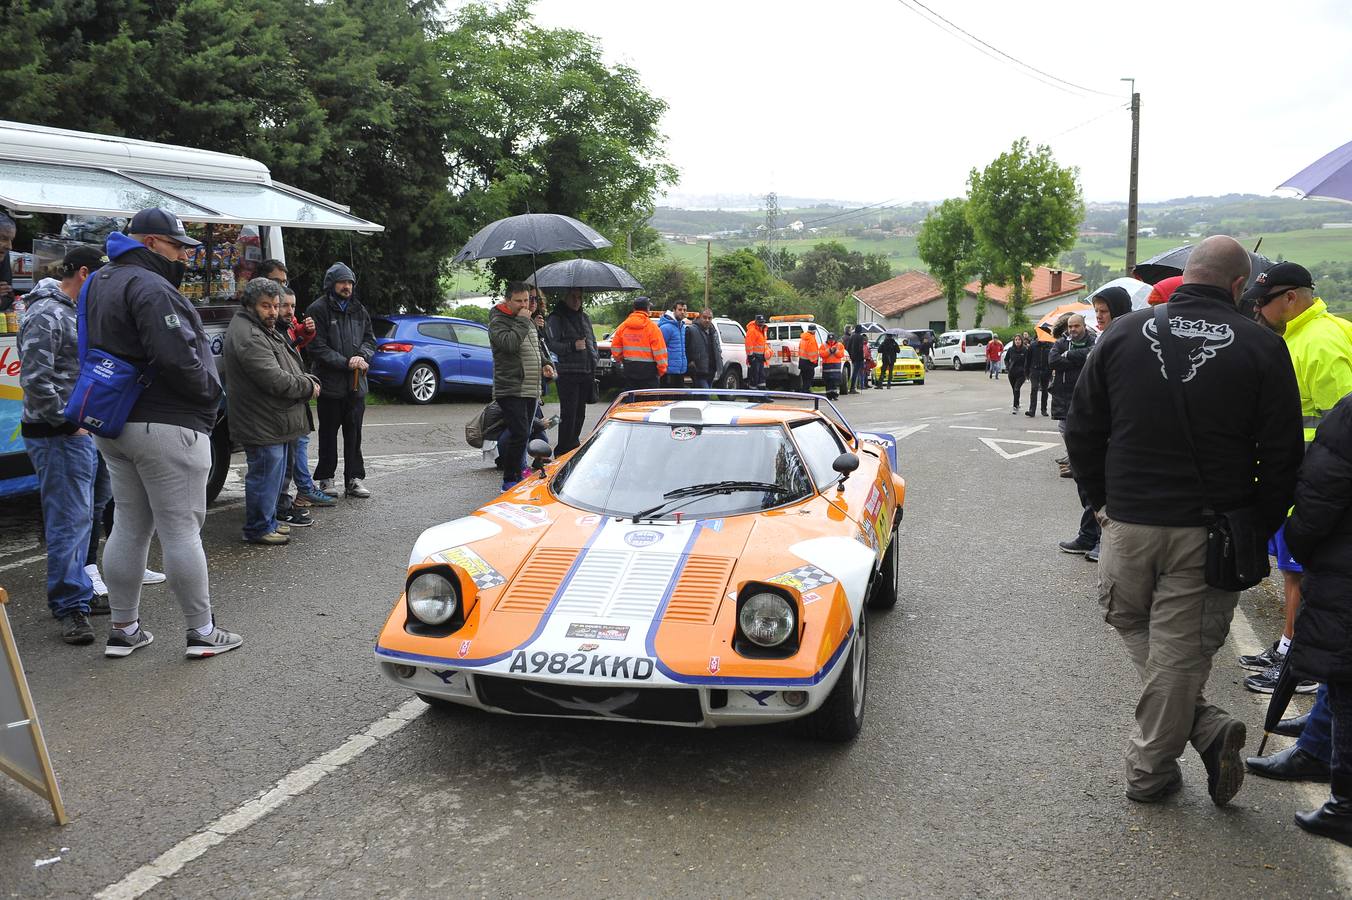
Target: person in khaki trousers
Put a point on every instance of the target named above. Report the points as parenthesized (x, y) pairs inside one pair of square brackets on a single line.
[(1151, 497)]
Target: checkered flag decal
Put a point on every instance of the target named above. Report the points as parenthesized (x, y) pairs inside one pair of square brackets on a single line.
[(804, 578), (490, 579)]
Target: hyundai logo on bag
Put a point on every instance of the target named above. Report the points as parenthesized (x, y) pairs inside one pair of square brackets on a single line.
[(106, 363)]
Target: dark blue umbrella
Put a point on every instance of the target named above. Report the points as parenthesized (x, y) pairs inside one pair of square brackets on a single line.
[(530, 234), (1327, 178), (1171, 262), (584, 275)]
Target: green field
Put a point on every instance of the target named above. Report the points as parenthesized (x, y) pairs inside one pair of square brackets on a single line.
[(900, 252)]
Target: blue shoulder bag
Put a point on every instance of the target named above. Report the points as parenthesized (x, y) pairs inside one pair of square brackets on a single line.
[(108, 386)]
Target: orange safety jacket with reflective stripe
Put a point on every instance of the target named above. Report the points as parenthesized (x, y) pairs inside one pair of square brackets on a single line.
[(808, 351), (755, 339), (638, 341), (833, 355)]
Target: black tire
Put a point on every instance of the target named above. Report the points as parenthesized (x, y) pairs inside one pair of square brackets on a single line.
[(957, 363), (220, 460), (883, 592), (421, 385), (731, 380), (841, 717), (920, 381)]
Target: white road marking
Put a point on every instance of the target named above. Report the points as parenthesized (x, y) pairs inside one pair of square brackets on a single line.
[(973, 428), (975, 412), (22, 562), (366, 425), (1033, 446), (995, 409), (24, 549), (292, 785), (1052, 433), (1242, 640)]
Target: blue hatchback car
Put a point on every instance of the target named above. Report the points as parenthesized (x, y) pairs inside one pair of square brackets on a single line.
[(423, 355)]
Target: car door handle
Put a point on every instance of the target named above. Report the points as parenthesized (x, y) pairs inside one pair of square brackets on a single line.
[(465, 355)]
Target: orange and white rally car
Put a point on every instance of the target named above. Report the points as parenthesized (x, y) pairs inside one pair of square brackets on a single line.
[(703, 559)]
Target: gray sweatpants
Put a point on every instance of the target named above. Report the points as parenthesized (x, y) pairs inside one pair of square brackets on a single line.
[(159, 474), (1153, 590)]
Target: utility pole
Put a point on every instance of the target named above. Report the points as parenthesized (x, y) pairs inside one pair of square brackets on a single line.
[(1132, 209), (708, 269), (771, 226)]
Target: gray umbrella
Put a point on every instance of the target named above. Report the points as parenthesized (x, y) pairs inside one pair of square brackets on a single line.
[(1171, 262), (529, 234), (585, 275)]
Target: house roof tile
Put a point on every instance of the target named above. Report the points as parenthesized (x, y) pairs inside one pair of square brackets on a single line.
[(895, 296)]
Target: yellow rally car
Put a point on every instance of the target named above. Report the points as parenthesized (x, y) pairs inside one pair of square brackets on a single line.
[(703, 559), (909, 366)]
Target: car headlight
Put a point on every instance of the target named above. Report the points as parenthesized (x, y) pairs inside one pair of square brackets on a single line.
[(432, 598), (767, 620)]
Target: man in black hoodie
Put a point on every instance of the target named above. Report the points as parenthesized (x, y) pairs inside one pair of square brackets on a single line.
[(569, 336), (340, 354), (1152, 497)]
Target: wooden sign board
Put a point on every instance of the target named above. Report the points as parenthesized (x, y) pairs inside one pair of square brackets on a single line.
[(23, 754)]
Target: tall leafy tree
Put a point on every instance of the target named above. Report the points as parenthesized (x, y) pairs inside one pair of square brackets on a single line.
[(540, 123), (832, 267), (947, 245), (1024, 209)]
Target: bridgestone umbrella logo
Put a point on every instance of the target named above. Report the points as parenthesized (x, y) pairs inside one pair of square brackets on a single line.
[(509, 245)]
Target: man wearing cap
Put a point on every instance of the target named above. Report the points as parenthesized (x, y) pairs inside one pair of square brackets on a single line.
[(340, 353), (160, 462), (63, 454), (637, 346), (1320, 344), (757, 352)]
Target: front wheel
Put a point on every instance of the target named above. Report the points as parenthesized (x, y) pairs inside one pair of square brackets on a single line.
[(842, 715), (421, 384), (957, 364), (732, 380), (220, 460)]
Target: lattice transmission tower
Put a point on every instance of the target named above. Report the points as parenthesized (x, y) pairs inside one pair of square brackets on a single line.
[(771, 231)]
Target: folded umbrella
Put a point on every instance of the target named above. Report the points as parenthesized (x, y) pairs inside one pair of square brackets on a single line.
[(530, 234), (1282, 692), (584, 275)]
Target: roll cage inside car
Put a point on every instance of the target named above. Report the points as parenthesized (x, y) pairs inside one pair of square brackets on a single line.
[(817, 402)]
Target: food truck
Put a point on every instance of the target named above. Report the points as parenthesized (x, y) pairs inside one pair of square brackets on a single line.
[(86, 185)]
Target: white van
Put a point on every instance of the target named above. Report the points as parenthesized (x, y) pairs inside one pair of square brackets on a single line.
[(962, 348), (78, 174)]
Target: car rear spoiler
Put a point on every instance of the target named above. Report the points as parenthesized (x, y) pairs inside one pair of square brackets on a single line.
[(817, 401)]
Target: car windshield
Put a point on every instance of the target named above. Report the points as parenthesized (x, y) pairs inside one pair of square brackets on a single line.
[(629, 467), (906, 352)]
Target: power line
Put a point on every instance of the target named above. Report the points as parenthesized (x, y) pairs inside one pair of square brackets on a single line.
[(930, 15), (1116, 107), (847, 212)]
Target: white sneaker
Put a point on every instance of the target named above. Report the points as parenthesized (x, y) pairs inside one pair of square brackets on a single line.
[(152, 577), (100, 589)]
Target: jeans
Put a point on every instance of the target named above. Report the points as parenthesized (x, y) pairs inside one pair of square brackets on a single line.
[(857, 374), (262, 484), (1317, 738), (755, 370), (159, 474), (65, 467), (701, 381), (284, 491), (993, 368), (574, 391), (300, 469), (103, 502), (344, 412)]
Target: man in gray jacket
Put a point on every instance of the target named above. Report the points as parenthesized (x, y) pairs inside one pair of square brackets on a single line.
[(267, 394), (160, 462), (519, 361)]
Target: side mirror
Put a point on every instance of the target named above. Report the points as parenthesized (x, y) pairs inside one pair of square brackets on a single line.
[(845, 463), (540, 452)]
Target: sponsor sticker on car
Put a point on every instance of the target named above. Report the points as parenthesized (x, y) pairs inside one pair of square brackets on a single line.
[(598, 632), (521, 515), (480, 572)]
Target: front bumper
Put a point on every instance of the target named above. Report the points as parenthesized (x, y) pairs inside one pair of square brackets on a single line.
[(692, 706)]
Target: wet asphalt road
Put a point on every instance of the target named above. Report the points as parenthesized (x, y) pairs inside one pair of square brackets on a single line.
[(990, 764)]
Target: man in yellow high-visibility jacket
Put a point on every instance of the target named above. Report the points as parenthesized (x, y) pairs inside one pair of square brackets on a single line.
[(1320, 344)]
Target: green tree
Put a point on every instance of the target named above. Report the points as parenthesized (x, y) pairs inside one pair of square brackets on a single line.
[(832, 267), (740, 285), (540, 123), (665, 280), (1024, 209), (947, 245)]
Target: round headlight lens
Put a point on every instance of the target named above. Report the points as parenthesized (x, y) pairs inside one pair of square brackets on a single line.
[(432, 599), (766, 619)]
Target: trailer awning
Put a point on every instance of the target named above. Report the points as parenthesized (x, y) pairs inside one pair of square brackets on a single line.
[(27, 186)]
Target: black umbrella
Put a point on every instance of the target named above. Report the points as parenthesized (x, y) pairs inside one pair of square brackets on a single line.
[(529, 234), (585, 275), (1282, 692), (1171, 262)]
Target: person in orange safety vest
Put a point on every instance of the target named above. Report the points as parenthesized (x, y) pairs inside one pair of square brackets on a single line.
[(637, 347), (809, 352), (833, 361), (757, 352)]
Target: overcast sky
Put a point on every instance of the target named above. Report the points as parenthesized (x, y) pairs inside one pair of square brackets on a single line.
[(864, 100)]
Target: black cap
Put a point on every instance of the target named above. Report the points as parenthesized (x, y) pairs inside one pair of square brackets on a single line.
[(760, 319), (160, 221), (1284, 275), (83, 256)]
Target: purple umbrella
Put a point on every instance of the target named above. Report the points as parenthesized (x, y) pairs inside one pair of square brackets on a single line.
[(1327, 178)]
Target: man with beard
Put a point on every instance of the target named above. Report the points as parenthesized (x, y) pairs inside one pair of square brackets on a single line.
[(160, 462), (339, 355), (570, 337)]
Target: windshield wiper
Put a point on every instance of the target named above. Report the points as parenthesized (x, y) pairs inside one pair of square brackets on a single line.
[(709, 489)]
